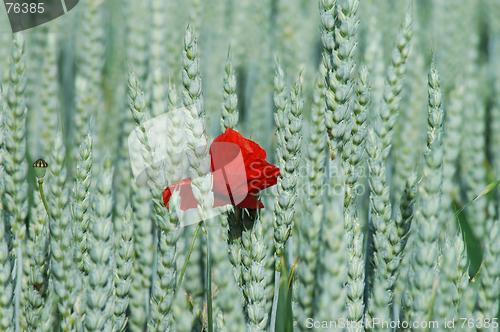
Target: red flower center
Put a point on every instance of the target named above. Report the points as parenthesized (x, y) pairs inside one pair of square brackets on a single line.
[(239, 171)]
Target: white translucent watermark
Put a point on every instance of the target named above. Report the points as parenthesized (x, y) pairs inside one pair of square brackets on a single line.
[(170, 155), (373, 323), (19, 15)]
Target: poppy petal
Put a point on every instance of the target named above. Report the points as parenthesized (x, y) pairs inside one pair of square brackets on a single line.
[(239, 171), (166, 196), (188, 201), (261, 175), (247, 146)]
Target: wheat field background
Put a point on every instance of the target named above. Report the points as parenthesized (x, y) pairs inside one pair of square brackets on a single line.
[(382, 115)]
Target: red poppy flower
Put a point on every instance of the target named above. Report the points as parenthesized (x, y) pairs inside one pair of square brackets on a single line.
[(239, 171)]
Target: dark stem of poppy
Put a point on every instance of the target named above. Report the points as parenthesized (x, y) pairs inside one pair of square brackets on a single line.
[(226, 182)]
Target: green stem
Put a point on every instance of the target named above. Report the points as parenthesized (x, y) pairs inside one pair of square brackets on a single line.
[(19, 282), (40, 186), (277, 276), (191, 246), (209, 285)]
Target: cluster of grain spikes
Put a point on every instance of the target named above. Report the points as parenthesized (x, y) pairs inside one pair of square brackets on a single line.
[(6, 286), (388, 232), (164, 281), (309, 233), (98, 252), (340, 29), (421, 290), (15, 165), (62, 267), (100, 299), (389, 108), (288, 119)]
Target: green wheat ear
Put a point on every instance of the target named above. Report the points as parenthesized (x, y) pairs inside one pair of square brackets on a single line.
[(310, 233), (100, 301), (123, 271), (288, 119), (15, 165), (61, 244), (39, 303), (83, 255), (419, 293)]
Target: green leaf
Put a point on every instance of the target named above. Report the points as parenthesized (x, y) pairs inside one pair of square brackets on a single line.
[(289, 298), (281, 312), (489, 188), (474, 251)]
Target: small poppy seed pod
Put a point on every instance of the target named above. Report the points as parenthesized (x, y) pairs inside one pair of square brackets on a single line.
[(40, 167)]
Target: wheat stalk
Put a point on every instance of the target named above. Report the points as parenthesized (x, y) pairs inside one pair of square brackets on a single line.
[(333, 245), (472, 156), (38, 303), (381, 226), (144, 256), (81, 119), (234, 243), (137, 36), (487, 300), (91, 58), (257, 58), (199, 159), (404, 217), (409, 145), (340, 68), (454, 37), (288, 121), (61, 248), (100, 301), (373, 55), (420, 282), (229, 106), (6, 260), (156, 91), (15, 164), (36, 45), (495, 119), (229, 299), (220, 324), (6, 287), (177, 169), (49, 96), (197, 143), (452, 142), (81, 210), (164, 281), (123, 270), (81, 213), (128, 192), (352, 155), (253, 269), (389, 107), (389, 261), (2, 138), (409, 140), (445, 305), (288, 13), (309, 233)]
